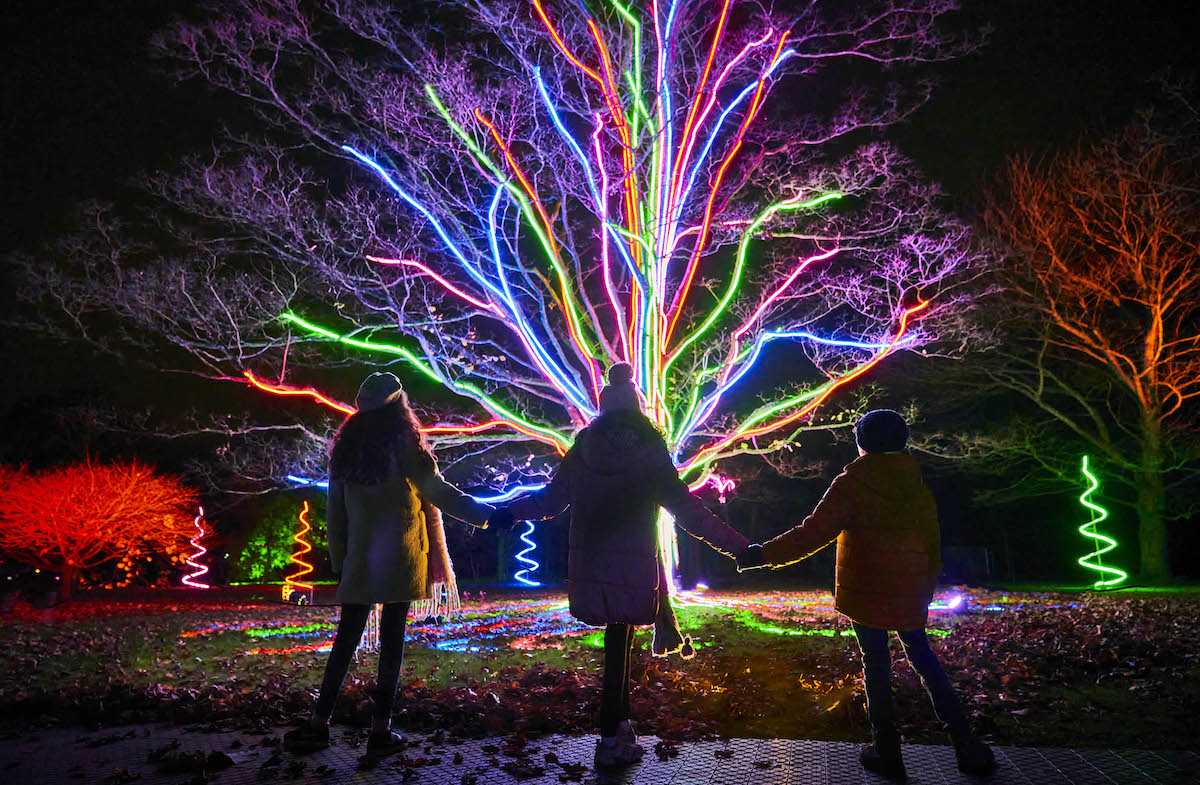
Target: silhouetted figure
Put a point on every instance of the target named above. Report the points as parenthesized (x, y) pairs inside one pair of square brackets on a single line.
[(387, 545), (614, 478), (888, 557)]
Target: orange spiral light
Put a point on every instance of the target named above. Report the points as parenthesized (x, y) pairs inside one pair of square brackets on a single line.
[(292, 583)]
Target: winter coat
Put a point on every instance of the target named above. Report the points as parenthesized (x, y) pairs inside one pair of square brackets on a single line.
[(614, 481), (378, 538), (889, 548)]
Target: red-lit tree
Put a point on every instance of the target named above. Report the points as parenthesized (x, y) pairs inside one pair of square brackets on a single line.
[(78, 517)]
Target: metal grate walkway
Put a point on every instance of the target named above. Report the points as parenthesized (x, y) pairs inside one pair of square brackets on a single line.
[(153, 754)]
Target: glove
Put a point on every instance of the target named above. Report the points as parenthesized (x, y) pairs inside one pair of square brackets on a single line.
[(751, 558), (501, 518)]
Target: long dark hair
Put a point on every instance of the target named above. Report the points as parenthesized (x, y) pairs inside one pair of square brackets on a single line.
[(371, 444)]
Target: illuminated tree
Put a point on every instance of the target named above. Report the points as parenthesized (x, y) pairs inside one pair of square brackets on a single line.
[(505, 198), (1103, 333), (78, 517)]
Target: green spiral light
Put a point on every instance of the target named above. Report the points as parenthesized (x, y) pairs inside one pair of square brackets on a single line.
[(1103, 543)]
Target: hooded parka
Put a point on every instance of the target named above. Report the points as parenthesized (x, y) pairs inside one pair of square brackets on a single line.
[(889, 547), (614, 479)]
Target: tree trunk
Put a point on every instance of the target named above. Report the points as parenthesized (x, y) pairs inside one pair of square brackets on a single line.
[(1151, 497), (66, 583)]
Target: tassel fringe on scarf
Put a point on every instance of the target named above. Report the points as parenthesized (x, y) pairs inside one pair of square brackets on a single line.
[(441, 589)]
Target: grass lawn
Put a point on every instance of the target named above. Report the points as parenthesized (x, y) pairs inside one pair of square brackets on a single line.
[(1071, 669)]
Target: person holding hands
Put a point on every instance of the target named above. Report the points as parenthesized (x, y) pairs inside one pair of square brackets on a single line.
[(885, 522)]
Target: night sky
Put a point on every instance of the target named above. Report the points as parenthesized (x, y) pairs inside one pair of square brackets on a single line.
[(85, 108)]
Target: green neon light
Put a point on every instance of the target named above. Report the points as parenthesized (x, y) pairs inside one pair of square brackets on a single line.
[(531, 219), (740, 265), (466, 388), (1089, 530)]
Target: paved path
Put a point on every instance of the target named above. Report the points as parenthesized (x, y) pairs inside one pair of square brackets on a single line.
[(145, 754)]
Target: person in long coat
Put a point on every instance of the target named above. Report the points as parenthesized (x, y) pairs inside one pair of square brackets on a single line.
[(614, 478), (386, 544), (885, 522)]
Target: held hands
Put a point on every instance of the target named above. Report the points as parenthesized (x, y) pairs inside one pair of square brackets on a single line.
[(751, 558), (501, 518)]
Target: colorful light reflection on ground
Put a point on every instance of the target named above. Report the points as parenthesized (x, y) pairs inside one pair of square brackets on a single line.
[(543, 621)]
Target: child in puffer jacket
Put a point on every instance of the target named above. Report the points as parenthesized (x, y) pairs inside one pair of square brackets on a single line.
[(888, 558), (614, 478)]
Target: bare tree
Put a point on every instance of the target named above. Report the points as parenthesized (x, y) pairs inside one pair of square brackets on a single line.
[(1104, 311), (507, 197)]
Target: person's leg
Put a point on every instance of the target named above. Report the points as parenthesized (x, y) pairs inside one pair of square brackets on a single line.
[(391, 658), (974, 757), (351, 622), (941, 692), (877, 674), (616, 677), (625, 713)]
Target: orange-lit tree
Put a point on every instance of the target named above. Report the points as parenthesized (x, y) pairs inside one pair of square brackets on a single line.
[(78, 517), (1104, 246)]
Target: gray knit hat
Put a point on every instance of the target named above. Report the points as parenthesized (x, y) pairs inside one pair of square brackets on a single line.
[(377, 391), (620, 392)]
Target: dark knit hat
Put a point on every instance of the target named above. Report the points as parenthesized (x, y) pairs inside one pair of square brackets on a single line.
[(881, 430), (377, 391), (620, 392)]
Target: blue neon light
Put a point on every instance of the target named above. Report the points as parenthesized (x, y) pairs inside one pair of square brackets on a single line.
[(521, 575)]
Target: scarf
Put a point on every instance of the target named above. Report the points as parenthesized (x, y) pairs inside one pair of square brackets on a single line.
[(441, 589)]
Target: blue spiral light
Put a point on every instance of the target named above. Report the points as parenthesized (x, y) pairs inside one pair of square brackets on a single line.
[(521, 575)]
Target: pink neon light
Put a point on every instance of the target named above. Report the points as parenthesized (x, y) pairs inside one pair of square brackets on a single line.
[(720, 482), (451, 287), (751, 113), (677, 178), (717, 446), (549, 227), (783, 286), (605, 261), (691, 126), (200, 569)]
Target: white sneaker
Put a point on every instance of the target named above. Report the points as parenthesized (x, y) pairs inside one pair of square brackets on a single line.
[(612, 752)]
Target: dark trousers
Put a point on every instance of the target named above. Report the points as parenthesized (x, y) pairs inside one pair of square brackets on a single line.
[(614, 699), (351, 624), (877, 672)]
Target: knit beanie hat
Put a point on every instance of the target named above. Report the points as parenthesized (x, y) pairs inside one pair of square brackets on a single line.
[(881, 430), (377, 391), (620, 392)]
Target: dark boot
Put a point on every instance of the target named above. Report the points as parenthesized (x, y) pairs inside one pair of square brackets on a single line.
[(306, 739), (975, 758), (883, 758), (384, 745)]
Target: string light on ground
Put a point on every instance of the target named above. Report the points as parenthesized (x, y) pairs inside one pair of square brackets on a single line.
[(545, 623), (295, 590), (522, 575), (200, 569), (1110, 576)]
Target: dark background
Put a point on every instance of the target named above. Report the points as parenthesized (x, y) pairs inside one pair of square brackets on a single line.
[(84, 109)]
